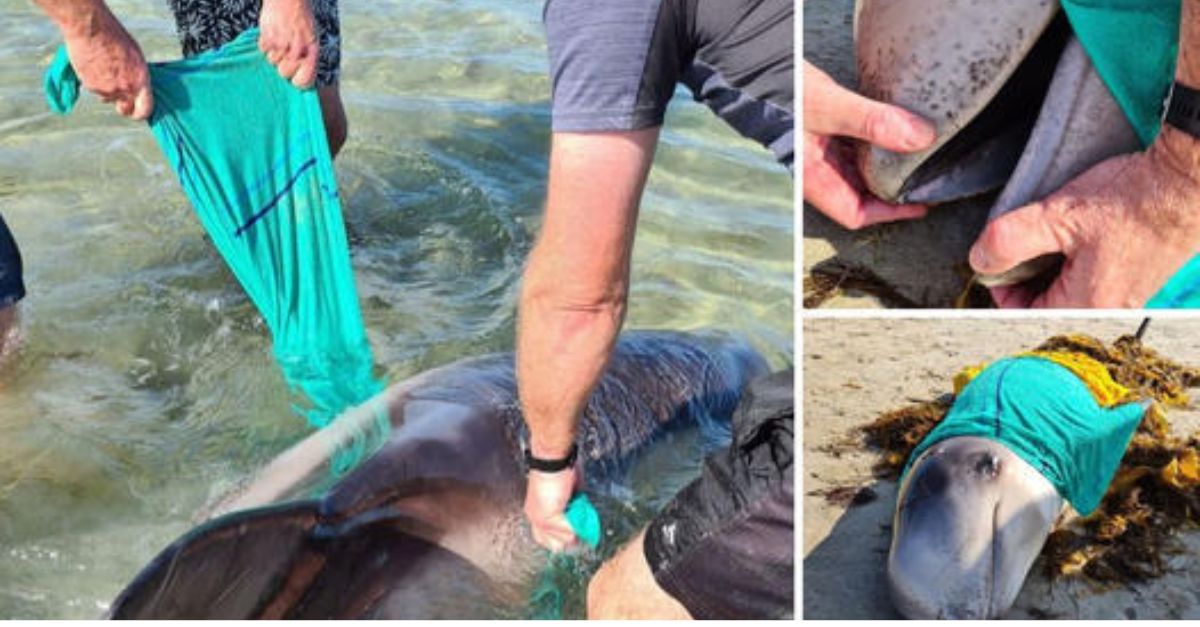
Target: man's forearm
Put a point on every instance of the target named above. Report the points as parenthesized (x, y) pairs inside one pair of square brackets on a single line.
[(574, 291), (77, 17), (564, 342)]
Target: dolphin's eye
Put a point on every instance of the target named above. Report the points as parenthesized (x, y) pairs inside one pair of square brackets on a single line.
[(987, 464)]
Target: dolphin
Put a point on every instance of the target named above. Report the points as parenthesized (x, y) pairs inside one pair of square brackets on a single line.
[(430, 525), (971, 518), (1015, 101), (968, 66)]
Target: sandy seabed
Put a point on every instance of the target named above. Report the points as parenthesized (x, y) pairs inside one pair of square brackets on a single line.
[(854, 369)]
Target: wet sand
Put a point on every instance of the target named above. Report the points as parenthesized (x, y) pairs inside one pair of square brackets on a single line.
[(922, 260), (855, 369)]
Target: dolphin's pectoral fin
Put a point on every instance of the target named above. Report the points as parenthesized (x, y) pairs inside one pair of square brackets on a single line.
[(229, 568), (281, 562), (981, 157), (965, 67)]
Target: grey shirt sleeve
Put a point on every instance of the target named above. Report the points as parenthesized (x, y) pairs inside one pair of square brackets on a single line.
[(603, 73)]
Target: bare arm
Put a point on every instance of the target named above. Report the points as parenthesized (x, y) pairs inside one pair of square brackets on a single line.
[(77, 17), (573, 299)]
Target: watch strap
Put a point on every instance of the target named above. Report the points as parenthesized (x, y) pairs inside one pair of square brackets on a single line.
[(551, 465), (1183, 111)]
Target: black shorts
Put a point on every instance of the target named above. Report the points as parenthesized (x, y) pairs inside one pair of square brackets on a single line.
[(207, 24), (12, 283), (723, 547)]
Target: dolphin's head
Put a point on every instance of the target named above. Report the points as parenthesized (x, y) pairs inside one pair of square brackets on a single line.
[(971, 517)]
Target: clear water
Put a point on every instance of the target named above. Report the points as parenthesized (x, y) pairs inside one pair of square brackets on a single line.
[(146, 387)]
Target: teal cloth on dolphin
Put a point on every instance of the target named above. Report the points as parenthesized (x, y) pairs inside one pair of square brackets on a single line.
[(1046, 416), (584, 520), (546, 599), (250, 152), (1133, 45), (1182, 291), (1139, 77)]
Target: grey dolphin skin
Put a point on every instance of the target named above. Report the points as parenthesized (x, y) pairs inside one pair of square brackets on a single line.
[(948, 61), (1015, 100), (430, 525), (971, 518)]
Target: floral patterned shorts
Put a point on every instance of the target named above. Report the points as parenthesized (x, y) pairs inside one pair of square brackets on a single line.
[(207, 24)]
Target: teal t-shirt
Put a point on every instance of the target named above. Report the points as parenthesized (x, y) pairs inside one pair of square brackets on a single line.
[(1048, 417), (250, 152)]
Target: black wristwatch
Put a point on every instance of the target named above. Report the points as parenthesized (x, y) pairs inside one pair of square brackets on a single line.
[(1183, 109), (550, 465)]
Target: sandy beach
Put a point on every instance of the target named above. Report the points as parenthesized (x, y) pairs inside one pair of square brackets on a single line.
[(855, 369)]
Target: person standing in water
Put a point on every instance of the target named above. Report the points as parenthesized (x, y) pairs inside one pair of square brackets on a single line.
[(12, 290), (301, 41), (614, 67)]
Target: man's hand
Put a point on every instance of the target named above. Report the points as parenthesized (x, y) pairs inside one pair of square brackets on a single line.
[(832, 183), (1125, 226), (110, 63), (288, 36), (546, 498)]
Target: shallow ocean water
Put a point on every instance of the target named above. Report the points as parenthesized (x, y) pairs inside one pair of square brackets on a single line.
[(146, 387)]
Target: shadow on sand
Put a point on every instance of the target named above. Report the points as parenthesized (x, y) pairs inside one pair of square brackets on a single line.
[(845, 576)]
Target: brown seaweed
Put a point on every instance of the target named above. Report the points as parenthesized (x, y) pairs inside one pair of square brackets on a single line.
[(1154, 494), (832, 277)]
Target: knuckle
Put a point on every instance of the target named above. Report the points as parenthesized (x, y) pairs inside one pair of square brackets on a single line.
[(875, 124)]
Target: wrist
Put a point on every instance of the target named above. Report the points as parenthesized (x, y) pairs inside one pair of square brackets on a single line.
[(551, 464), (1174, 210), (1178, 153), (544, 449)]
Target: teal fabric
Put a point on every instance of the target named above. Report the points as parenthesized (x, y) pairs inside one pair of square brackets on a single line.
[(1047, 416), (562, 569), (1133, 45), (584, 519), (251, 154), (1182, 291)]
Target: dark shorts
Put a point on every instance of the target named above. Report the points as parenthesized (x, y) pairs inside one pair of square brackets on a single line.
[(723, 547), (12, 284), (614, 65), (207, 24)]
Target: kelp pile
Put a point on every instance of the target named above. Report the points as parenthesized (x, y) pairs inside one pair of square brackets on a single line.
[(1156, 490)]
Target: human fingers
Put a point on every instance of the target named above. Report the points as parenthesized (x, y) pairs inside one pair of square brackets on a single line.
[(1020, 235), (124, 107), (827, 189), (143, 104), (830, 109), (306, 72)]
